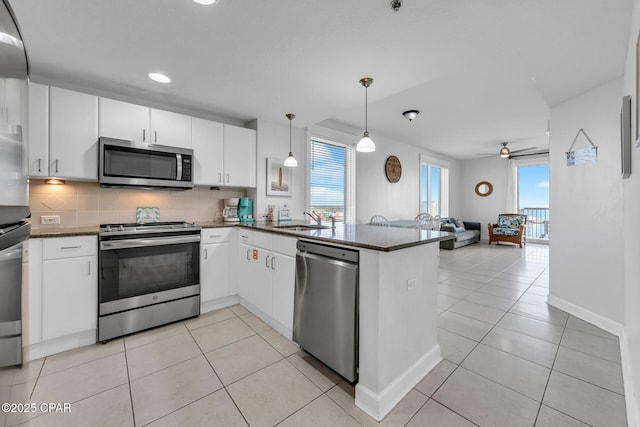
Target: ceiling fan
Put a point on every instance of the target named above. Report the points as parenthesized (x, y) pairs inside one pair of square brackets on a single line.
[(505, 153)]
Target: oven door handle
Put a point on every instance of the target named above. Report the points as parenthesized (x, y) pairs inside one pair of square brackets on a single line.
[(139, 243)]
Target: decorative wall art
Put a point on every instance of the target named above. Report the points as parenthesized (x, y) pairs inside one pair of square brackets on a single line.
[(279, 178), (393, 169), (582, 156)]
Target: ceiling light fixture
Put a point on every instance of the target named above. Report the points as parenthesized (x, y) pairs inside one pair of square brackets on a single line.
[(411, 114), (205, 2), (366, 144), (290, 161), (159, 77), (504, 151), (396, 4)]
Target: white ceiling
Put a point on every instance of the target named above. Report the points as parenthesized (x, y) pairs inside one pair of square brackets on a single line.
[(480, 71)]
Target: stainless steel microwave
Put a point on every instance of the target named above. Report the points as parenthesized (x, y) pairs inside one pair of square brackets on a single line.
[(134, 164)]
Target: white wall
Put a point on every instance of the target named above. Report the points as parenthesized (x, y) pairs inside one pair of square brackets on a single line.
[(484, 210), (586, 249), (631, 208), (377, 196), (273, 141)]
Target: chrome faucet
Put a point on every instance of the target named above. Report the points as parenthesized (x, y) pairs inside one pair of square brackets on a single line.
[(315, 217)]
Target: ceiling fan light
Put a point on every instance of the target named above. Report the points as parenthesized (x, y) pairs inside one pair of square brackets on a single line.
[(366, 144), (290, 161), (159, 77), (504, 152)]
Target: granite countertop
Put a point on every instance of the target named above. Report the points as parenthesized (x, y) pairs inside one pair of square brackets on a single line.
[(357, 235), (39, 233)]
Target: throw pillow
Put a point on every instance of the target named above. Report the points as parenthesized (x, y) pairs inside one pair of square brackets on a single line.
[(460, 229), (460, 224)]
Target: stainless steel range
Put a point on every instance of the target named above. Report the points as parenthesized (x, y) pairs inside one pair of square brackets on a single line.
[(149, 276)]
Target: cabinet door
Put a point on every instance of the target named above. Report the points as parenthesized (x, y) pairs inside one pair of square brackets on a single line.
[(239, 156), (283, 271), (122, 120), (206, 141), (214, 271), (254, 277), (69, 296), (73, 134), (38, 130), (171, 129)]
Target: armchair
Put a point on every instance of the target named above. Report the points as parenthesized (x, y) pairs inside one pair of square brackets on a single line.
[(509, 228)]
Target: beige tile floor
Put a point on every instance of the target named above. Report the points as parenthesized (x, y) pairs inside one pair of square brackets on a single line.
[(509, 360)]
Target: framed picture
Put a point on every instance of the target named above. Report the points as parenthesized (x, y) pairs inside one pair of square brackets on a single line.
[(279, 178)]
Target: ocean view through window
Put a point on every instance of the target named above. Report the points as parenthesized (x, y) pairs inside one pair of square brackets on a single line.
[(533, 199), (329, 183)]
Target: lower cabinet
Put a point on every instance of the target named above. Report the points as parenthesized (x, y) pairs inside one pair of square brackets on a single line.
[(215, 259), (266, 278), (62, 293), (69, 296)]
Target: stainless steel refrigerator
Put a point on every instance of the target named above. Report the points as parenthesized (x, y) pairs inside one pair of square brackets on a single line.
[(14, 197)]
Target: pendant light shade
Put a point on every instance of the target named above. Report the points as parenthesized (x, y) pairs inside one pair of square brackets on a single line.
[(290, 161), (504, 151), (366, 144)]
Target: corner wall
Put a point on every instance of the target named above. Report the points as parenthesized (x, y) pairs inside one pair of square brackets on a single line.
[(630, 340), (586, 250)]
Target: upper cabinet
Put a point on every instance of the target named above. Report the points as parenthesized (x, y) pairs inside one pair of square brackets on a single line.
[(207, 144), (239, 156), (132, 122), (63, 133), (225, 155)]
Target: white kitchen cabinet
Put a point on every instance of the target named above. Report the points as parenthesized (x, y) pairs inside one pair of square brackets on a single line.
[(215, 264), (38, 130), (266, 276), (122, 120), (207, 144), (62, 292), (62, 133), (170, 129), (239, 156), (132, 122), (73, 134)]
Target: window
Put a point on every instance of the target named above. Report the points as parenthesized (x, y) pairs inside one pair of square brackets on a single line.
[(533, 199), (434, 186), (331, 183)]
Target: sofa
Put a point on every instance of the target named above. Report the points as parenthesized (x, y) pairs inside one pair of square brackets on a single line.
[(466, 233)]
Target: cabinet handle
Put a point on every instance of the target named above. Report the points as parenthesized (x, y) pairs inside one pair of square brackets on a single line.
[(215, 236), (220, 177), (267, 261), (273, 263), (66, 248), (144, 135), (89, 263), (56, 166), (249, 254), (227, 178), (155, 136), (206, 256), (39, 165)]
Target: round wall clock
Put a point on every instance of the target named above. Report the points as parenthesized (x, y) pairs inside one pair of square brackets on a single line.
[(393, 169)]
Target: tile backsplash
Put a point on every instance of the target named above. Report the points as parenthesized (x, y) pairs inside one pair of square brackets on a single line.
[(85, 204)]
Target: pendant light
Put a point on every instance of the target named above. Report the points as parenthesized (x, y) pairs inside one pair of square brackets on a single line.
[(290, 161), (366, 145)]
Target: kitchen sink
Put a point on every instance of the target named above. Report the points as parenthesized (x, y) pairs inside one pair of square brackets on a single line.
[(300, 227)]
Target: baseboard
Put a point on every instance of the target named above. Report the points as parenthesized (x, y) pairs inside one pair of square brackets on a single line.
[(58, 345), (207, 306), (596, 319), (631, 398), (378, 405)]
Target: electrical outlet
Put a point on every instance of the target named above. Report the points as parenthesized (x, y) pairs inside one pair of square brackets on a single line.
[(50, 219), (411, 284)]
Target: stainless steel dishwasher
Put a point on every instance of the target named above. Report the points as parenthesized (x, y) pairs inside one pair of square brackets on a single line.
[(325, 313)]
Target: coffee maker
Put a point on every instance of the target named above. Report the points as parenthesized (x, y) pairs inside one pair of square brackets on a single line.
[(230, 211), (245, 210)]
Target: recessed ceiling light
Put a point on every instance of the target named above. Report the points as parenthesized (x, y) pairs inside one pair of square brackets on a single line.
[(205, 2), (160, 78)]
